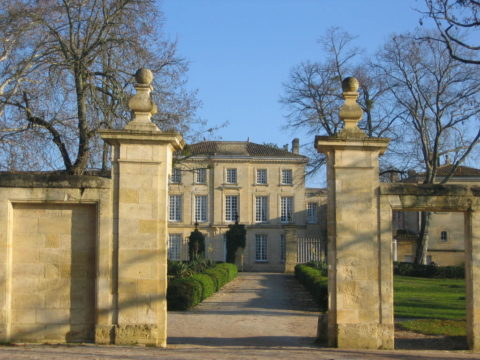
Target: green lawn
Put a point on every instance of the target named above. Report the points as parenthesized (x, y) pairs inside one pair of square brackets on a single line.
[(436, 306)]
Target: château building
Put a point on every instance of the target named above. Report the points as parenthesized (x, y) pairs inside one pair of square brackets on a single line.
[(262, 186)]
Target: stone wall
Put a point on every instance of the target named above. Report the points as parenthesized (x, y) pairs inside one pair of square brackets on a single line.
[(56, 250)]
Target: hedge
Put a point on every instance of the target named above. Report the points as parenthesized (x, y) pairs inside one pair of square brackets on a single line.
[(314, 282), (429, 271), (184, 293)]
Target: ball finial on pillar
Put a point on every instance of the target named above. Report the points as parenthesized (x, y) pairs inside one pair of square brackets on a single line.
[(350, 112), (350, 84), (141, 104)]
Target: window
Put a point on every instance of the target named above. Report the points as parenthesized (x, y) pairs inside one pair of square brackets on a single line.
[(312, 213), (176, 177), (286, 209), (282, 247), (262, 176), (231, 207), (287, 177), (260, 247), (261, 205), (443, 236), (200, 176), (174, 244), (231, 176), (175, 208), (201, 208)]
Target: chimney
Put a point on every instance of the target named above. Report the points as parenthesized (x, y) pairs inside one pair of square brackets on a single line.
[(296, 146)]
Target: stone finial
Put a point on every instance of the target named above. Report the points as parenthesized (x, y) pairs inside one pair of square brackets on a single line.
[(141, 104), (350, 112)]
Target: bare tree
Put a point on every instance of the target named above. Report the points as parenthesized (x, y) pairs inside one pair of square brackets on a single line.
[(312, 94), (440, 106), (65, 71), (458, 22)]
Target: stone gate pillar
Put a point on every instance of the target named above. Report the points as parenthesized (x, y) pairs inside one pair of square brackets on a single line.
[(472, 277), (359, 283), (141, 164)]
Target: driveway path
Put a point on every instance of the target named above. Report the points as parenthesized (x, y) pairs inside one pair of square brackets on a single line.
[(256, 309)]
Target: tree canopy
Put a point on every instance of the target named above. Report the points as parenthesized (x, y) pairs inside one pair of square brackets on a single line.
[(65, 71)]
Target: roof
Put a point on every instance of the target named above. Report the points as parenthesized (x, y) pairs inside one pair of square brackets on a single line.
[(461, 171), (240, 148), (444, 170)]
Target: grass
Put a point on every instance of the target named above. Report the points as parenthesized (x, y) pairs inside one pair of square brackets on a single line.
[(432, 306)]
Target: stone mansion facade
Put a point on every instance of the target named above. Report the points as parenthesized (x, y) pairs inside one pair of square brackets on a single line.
[(262, 186)]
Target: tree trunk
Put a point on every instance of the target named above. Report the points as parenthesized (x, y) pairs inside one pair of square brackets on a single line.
[(422, 241), (83, 134)]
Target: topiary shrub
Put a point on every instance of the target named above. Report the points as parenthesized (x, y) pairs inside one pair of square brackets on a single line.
[(315, 283), (236, 237), (184, 293), (196, 245), (231, 269), (208, 287)]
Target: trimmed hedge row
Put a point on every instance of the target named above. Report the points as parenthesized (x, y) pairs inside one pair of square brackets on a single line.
[(183, 293), (429, 271), (314, 282)]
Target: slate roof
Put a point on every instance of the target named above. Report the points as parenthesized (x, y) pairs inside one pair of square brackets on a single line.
[(461, 171), (240, 148)]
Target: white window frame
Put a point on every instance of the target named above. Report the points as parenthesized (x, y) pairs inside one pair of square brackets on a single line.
[(175, 208), (261, 209), (200, 176), (201, 208), (286, 209), (174, 247), (176, 177), (263, 178), (261, 248), (231, 176), (232, 203), (312, 208), (286, 177)]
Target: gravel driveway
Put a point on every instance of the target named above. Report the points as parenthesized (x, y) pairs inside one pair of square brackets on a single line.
[(256, 309)]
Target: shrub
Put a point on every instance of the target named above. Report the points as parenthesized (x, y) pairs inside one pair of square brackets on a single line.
[(231, 269), (183, 293), (219, 276), (429, 271), (236, 237), (196, 244), (178, 269), (315, 282), (208, 287)]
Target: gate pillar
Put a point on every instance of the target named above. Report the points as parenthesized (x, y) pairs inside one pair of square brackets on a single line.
[(141, 164), (472, 277), (360, 281)]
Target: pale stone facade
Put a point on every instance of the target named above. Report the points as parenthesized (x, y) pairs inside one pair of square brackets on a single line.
[(446, 243), (267, 188)]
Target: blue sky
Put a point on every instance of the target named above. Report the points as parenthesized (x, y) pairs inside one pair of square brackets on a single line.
[(241, 51)]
